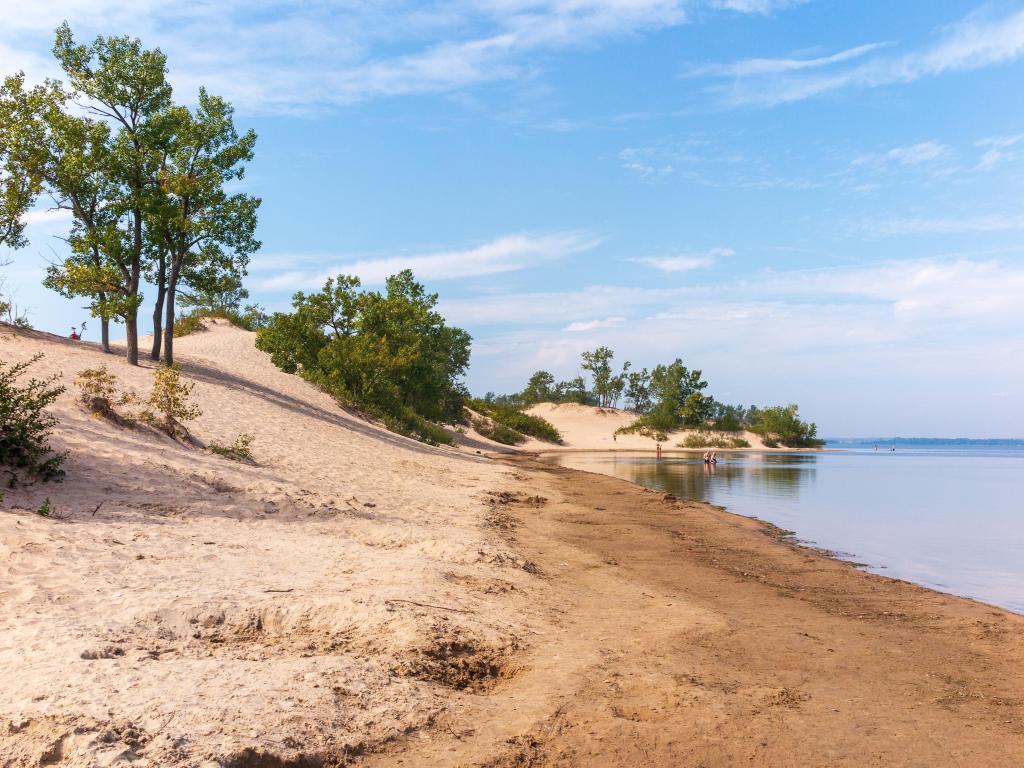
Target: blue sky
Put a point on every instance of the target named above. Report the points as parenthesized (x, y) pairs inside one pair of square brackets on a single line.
[(816, 202)]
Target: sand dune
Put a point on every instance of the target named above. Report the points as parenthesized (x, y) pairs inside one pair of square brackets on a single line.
[(588, 428), (157, 612)]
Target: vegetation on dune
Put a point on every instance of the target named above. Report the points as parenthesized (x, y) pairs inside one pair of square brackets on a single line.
[(169, 403), (389, 354), (25, 426), (712, 440), (103, 395), (520, 424), (668, 398), (240, 450)]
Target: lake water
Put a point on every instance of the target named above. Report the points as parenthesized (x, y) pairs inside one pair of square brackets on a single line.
[(947, 517)]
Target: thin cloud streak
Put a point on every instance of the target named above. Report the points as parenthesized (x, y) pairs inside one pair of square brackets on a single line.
[(505, 254), (973, 43)]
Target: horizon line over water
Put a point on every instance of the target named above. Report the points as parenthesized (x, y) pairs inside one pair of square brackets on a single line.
[(1016, 442), (948, 516)]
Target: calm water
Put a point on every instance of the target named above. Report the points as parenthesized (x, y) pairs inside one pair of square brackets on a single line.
[(951, 518)]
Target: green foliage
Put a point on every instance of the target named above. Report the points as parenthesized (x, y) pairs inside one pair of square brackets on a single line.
[(606, 386), (540, 388), (240, 450), (638, 390), (252, 318), (19, 142), (498, 432), (25, 426), (706, 440), (103, 396), (781, 425), (45, 509), (511, 417), (390, 354), (168, 402)]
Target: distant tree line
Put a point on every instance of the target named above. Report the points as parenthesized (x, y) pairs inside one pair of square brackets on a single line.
[(145, 181), (666, 398)]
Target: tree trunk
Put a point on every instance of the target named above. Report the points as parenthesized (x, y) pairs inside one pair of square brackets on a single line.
[(105, 334), (131, 326), (172, 288), (158, 311), (131, 320)]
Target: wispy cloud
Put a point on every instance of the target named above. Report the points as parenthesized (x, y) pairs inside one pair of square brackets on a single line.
[(685, 262), (915, 154), (281, 56), (975, 42), (590, 325), (999, 150), (504, 254), (763, 7), (995, 222)]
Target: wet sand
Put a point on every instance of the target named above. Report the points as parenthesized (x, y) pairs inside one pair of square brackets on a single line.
[(690, 636)]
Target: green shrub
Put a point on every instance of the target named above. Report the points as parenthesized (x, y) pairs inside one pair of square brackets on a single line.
[(240, 450), (497, 432), (101, 394), (24, 426), (252, 318), (391, 355), (705, 440), (517, 421), (168, 402), (781, 425)]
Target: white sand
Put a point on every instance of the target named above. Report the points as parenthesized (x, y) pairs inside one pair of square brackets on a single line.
[(587, 428), (209, 606)]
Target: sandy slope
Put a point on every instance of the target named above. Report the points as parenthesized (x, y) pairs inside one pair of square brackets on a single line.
[(585, 427), (358, 599), (210, 607)]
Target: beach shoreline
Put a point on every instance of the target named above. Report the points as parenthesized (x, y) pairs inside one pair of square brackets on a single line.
[(355, 598)]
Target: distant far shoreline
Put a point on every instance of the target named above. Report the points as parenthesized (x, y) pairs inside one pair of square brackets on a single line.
[(1013, 442)]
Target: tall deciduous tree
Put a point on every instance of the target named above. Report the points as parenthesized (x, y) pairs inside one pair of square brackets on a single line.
[(126, 85), (194, 220), (20, 137)]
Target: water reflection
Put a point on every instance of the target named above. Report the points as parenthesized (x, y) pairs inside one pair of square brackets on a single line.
[(690, 478), (952, 520)]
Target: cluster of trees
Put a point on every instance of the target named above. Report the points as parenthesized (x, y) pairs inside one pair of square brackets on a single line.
[(390, 354), (668, 397), (144, 179)]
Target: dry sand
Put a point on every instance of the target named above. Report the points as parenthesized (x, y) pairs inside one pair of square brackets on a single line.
[(355, 598), (588, 428)]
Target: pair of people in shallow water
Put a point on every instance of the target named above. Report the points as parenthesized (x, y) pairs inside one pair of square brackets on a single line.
[(710, 457)]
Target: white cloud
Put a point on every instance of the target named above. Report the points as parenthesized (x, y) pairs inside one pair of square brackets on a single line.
[(763, 7), (998, 150), (687, 261), (973, 43), (279, 56), (590, 325), (504, 254), (918, 153), (750, 67), (996, 222)]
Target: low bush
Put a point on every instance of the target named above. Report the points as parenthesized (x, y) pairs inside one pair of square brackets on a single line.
[(168, 403), (102, 395), (24, 424), (252, 318), (240, 450), (705, 440), (517, 422), (497, 432)]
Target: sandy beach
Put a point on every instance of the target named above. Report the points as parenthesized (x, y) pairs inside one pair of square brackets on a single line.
[(356, 598)]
